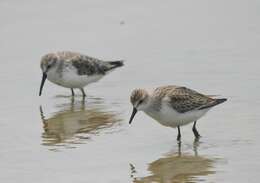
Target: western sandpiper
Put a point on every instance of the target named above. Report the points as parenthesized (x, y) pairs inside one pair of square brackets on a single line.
[(173, 106), (74, 70)]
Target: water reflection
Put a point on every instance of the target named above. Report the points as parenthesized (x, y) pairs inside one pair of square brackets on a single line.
[(177, 167), (76, 122)]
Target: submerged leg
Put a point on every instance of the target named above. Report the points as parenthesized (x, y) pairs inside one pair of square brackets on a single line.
[(179, 134), (83, 93), (195, 131), (72, 92), (179, 148)]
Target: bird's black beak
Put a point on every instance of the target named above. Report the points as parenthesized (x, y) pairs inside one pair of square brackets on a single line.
[(133, 115), (44, 76)]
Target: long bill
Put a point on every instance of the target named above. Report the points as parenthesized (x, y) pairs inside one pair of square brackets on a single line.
[(44, 76), (133, 115)]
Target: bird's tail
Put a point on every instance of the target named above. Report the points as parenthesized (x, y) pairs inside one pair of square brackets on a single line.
[(115, 64), (215, 102), (220, 100)]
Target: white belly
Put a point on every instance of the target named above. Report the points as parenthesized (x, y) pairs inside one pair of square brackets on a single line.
[(169, 117), (70, 79)]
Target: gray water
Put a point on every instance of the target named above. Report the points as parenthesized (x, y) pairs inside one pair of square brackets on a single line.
[(209, 46)]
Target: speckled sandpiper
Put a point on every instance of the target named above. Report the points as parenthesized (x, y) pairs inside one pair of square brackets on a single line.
[(74, 70), (173, 106)]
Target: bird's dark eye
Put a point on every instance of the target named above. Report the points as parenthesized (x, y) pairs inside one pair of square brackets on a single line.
[(49, 66), (141, 101)]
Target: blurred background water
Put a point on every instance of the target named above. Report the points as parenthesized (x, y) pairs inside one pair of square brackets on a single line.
[(210, 46)]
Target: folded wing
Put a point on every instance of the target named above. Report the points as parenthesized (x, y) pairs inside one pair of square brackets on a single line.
[(183, 99)]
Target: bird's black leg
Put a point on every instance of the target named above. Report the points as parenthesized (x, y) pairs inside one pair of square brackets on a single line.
[(83, 93), (179, 148), (195, 131), (179, 134), (72, 92)]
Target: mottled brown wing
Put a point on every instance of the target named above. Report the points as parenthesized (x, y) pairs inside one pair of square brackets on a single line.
[(183, 99), (88, 65)]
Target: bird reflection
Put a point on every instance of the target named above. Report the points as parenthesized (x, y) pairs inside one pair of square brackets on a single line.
[(176, 167), (76, 122)]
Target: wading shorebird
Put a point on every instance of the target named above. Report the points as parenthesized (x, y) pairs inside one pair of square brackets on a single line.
[(173, 106), (74, 70)]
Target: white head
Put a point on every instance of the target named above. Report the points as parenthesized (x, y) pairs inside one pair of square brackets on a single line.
[(140, 101), (48, 63)]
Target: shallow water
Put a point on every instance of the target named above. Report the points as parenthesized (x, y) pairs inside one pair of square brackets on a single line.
[(212, 47)]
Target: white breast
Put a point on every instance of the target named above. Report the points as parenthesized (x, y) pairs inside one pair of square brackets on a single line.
[(167, 116), (70, 79)]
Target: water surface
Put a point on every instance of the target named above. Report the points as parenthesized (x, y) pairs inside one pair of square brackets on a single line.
[(212, 47)]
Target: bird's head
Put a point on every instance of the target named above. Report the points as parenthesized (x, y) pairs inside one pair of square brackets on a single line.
[(140, 101), (48, 63)]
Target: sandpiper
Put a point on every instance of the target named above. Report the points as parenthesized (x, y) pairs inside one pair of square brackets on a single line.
[(74, 70), (173, 106)]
